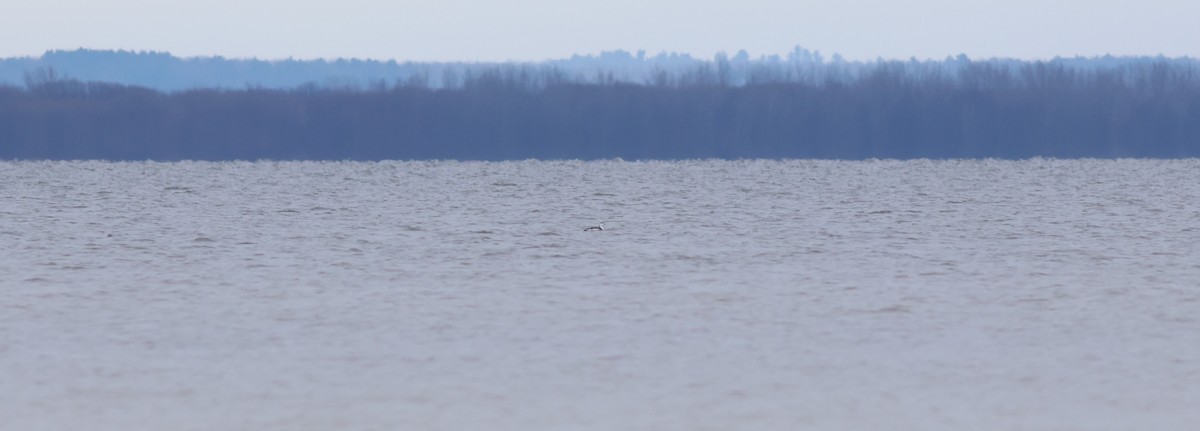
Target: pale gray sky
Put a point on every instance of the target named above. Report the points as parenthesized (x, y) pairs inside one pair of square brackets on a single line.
[(542, 29)]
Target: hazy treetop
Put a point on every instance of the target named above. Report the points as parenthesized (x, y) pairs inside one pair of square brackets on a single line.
[(163, 71)]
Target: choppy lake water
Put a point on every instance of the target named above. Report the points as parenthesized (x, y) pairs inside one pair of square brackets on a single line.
[(766, 295)]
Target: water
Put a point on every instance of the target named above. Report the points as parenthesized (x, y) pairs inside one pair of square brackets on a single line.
[(918, 295)]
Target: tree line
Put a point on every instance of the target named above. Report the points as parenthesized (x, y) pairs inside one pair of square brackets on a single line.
[(892, 109)]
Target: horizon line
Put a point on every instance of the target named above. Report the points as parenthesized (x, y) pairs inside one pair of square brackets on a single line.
[(640, 54)]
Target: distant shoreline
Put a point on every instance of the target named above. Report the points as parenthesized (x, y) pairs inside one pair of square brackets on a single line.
[(810, 109)]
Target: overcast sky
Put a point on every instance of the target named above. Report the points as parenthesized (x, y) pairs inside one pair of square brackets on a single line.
[(541, 29)]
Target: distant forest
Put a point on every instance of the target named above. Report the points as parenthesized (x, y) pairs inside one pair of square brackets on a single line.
[(618, 105)]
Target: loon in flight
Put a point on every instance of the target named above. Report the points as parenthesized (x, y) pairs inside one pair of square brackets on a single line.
[(591, 228)]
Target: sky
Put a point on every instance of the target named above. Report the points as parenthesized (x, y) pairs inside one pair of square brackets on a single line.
[(477, 30)]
